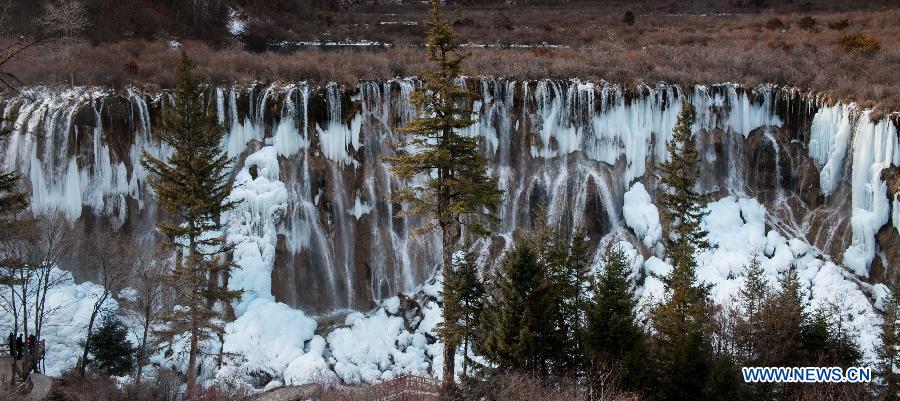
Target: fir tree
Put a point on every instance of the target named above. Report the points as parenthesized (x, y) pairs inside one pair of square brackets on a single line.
[(193, 186), (780, 336), (752, 298), (679, 321), (111, 352), (783, 316), (889, 351), (457, 184), (463, 302), (613, 333), (567, 267), (826, 342), (11, 200), (518, 320), (682, 207)]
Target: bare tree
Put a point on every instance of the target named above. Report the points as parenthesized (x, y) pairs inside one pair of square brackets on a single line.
[(60, 22), (15, 239), (110, 256), (146, 302), (56, 241), (29, 273)]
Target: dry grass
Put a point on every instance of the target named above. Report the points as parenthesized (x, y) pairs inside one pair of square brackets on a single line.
[(679, 48)]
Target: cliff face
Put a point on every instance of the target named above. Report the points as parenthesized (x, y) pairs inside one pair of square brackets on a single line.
[(565, 148)]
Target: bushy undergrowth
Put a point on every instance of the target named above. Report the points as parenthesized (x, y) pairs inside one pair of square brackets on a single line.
[(863, 44), (683, 49)]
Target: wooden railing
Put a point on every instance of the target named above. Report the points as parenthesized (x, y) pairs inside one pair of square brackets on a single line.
[(405, 388)]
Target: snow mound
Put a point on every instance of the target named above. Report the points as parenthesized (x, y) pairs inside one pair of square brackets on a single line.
[(267, 338), (641, 215)]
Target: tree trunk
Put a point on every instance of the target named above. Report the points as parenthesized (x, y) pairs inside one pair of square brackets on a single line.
[(449, 235), (192, 361), (90, 329), (465, 352), (142, 350)]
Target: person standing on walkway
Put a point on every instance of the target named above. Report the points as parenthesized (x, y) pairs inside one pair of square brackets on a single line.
[(20, 347)]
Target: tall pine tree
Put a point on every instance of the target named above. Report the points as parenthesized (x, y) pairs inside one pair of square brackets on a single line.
[(679, 321), (457, 184), (193, 186)]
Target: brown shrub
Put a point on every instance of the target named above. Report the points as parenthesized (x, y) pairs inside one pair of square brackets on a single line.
[(839, 24), (628, 19), (71, 387), (775, 23), (131, 66), (807, 23), (864, 44)]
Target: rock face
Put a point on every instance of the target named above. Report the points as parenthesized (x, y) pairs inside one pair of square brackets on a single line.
[(567, 149)]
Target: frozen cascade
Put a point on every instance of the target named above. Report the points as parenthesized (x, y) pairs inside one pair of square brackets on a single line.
[(568, 148), (828, 142), (261, 204), (336, 138), (287, 139), (875, 147), (775, 148)]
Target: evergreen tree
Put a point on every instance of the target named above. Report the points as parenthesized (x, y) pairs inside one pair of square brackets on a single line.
[(111, 352), (613, 336), (682, 207), (457, 183), (826, 342), (193, 186), (679, 321), (780, 336), (889, 351), (752, 298), (567, 267), (463, 295), (11, 200), (783, 316), (518, 315)]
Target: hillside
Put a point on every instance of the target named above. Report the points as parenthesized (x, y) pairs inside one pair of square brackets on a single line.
[(841, 49)]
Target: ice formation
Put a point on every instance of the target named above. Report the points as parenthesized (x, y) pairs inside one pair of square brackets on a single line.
[(875, 148), (641, 215), (261, 203), (829, 139)]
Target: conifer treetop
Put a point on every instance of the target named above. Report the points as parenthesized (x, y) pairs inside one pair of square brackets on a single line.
[(459, 184)]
